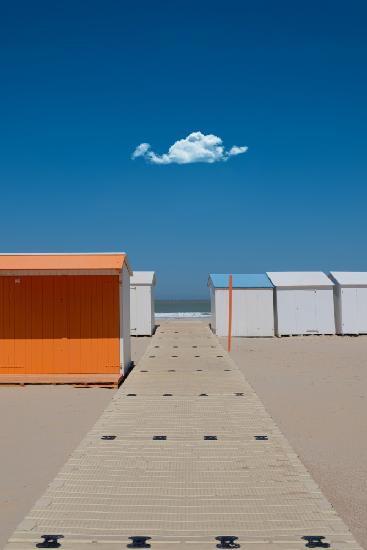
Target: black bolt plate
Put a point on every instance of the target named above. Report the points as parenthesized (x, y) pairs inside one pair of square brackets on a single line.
[(210, 437), (50, 541), (108, 437), (139, 542), (315, 541), (159, 437), (261, 437), (227, 541)]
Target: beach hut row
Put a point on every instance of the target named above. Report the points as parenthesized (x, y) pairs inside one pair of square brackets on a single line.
[(289, 303), (67, 318)]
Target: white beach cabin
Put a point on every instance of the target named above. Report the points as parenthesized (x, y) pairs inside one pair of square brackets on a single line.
[(252, 304), (303, 303), (350, 301), (142, 319)]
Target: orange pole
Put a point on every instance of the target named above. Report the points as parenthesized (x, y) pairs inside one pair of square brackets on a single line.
[(230, 288)]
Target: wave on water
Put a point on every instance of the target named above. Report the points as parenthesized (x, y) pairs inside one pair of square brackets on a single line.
[(179, 314)]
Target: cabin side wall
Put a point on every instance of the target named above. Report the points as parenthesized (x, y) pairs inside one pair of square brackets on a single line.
[(133, 309), (252, 312), (125, 343), (142, 310), (325, 318), (152, 309), (337, 294), (59, 325), (212, 309), (305, 311), (361, 299), (221, 312), (352, 307)]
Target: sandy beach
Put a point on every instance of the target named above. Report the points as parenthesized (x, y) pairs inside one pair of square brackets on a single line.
[(39, 427), (315, 388)]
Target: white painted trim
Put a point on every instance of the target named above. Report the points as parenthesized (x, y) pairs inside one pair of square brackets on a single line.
[(122, 366), (124, 303)]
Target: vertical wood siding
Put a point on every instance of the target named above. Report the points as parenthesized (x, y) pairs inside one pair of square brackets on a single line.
[(305, 311), (142, 310), (59, 324), (252, 313), (125, 320), (351, 310)]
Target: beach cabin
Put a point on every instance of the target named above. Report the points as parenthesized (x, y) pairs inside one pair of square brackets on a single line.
[(142, 319), (350, 301), (252, 304), (303, 303), (64, 318)]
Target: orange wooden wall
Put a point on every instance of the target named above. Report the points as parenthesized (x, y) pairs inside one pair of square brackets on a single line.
[(59, 324)]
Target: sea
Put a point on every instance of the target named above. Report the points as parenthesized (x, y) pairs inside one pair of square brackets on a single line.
[(182, 308)]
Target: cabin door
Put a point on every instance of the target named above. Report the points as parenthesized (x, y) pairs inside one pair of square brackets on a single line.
[(306, 312)]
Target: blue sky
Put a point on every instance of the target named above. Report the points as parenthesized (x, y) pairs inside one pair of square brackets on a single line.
[(84, 83)]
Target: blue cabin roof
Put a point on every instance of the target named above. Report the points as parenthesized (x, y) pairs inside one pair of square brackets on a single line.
[(246, 280)]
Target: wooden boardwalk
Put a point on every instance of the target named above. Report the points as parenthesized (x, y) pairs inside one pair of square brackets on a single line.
[(184, 453)]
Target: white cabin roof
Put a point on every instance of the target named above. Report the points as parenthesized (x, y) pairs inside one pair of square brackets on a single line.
[(299, 279), (350, 278), (143, 278)]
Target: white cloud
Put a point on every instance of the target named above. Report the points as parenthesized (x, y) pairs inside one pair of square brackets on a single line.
[(235, 150), (196, 147), (140, 150)]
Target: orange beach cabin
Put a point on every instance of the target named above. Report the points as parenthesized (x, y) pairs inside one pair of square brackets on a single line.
[(64, 318)]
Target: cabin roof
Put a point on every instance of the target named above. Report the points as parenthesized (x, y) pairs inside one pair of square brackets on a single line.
[(143, 278), (350, 278), (245, 280), (299, 279), (64, 262)]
